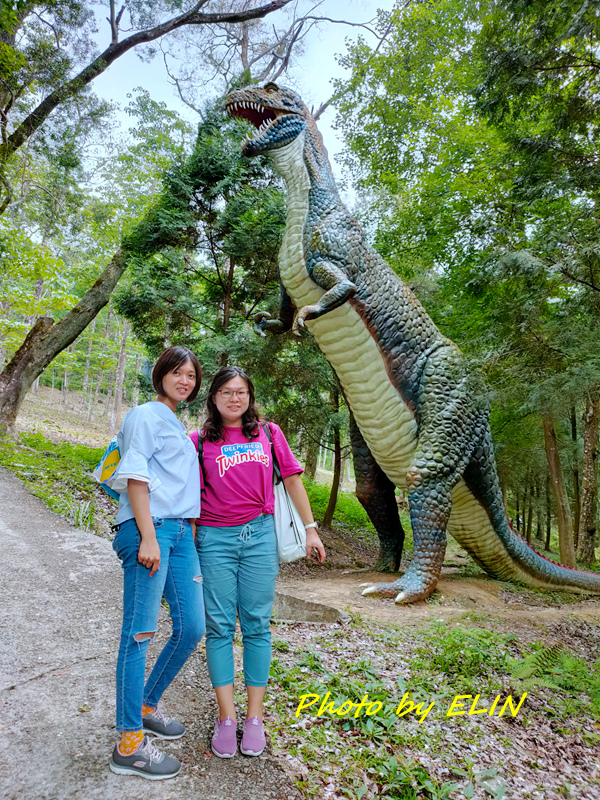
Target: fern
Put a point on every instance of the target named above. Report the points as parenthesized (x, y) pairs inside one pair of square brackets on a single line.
[(528, 684), (538, 663)]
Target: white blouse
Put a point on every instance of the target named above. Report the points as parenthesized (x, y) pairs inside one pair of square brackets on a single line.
[(156, 449)]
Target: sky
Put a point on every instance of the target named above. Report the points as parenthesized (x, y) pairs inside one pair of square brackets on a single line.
[(311, 79)]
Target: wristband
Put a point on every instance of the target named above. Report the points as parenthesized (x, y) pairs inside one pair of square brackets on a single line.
[(310, 525)]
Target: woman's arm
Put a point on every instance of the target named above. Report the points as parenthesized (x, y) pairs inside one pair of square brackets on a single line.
[(149, 552), (296, 490)]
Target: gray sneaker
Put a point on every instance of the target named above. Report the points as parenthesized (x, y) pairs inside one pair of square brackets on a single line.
[(147, 762), (158, 724)]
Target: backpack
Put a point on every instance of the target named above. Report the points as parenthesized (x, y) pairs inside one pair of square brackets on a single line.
[(106, 467)]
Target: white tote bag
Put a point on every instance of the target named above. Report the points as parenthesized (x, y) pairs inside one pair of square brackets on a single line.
[(289, 528)]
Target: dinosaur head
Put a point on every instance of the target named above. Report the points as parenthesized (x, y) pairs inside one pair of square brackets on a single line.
[(278, 114)]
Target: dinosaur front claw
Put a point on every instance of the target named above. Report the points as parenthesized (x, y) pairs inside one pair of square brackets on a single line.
[(306, 312), (298, 326), (260, 322)]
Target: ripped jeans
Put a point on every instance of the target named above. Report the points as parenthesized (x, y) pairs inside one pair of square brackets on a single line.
[(239, 565), (179, 579)]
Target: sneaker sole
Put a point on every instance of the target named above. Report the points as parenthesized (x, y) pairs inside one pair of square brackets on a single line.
[(251, 752), (150, 732), (121, 770), (222, 755)]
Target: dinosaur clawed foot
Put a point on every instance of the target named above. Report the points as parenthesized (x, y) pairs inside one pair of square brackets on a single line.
[(380, 589), (406, 590)]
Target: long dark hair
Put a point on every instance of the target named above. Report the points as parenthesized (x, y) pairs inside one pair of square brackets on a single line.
[(173, 358), (214, 429)]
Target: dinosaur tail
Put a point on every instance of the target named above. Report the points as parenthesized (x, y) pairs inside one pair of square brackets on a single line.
[(478, 522)]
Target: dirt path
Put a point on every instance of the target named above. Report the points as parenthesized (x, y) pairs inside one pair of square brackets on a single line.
[(59, 627), (508, 607), (456, 597)]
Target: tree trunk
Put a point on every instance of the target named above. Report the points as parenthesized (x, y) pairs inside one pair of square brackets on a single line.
[(589, 493), (337, 463), (47, 339), (518, 519), (99, 382), (530, 514), (548, 514), (88, 359), (64, 393), (525, 499), (576, 492), (135, 394), (310, 461), (116, 411), (563, 510)]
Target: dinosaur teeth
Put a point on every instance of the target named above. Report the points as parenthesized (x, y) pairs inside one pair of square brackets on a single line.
[(262, 128)]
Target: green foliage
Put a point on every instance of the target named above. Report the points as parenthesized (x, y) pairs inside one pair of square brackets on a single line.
[(463, 653), (510, 274), (348, 510), (59, 473), (537, 663), (541, 90), (555, 669)]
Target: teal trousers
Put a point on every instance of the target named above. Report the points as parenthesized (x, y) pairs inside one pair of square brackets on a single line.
[(239, 567)]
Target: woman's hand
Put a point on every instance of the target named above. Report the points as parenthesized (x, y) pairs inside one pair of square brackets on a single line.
[(313, 542), (149, 554)]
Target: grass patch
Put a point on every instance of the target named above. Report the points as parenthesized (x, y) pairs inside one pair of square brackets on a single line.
[(377, 755), (56, 472), (349, 512)]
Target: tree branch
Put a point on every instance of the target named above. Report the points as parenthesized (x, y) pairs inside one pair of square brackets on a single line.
[(114, 51)]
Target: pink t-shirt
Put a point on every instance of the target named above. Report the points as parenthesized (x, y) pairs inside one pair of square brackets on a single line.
[(237, 484)]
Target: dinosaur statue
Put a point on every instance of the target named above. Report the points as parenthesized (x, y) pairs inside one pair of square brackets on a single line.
[(419, 424)]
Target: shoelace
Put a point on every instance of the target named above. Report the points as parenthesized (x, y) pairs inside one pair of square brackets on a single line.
[(161, 717), (151, 751)]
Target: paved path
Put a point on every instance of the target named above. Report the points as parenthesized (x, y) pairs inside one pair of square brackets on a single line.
[(60, 596)]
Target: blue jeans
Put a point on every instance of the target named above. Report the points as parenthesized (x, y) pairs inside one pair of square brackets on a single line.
[(180, 580), (239, 567)]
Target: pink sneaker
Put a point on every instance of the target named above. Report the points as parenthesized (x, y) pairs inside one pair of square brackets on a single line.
[(253, 741), (224, 739)]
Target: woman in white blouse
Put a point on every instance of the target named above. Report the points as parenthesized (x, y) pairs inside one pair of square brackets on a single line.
[(158, 482)]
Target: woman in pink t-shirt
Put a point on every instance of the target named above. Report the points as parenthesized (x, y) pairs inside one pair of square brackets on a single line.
[(238, 550)]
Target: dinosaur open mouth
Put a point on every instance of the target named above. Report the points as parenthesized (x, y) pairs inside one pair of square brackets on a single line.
[(260, 116)]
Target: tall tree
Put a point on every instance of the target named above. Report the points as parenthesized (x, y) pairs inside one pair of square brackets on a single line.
[(589, 495)]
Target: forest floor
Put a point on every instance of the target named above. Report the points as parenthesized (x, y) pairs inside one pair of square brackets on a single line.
[(475, 638)]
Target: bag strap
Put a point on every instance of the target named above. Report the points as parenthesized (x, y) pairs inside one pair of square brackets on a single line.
[(200, 449), (276, 468)]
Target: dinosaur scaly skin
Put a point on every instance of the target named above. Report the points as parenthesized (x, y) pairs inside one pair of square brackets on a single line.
[(405, 383)]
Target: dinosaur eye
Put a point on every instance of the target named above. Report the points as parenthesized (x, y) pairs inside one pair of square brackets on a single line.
[(271, 87)]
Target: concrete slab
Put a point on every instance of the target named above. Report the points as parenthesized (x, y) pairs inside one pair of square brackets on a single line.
[(60, 607)]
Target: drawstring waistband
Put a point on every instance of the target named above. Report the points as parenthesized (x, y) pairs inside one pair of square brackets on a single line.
[(245, 533)]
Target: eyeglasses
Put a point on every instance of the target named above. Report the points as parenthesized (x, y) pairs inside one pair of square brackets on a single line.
[(227, 393)]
